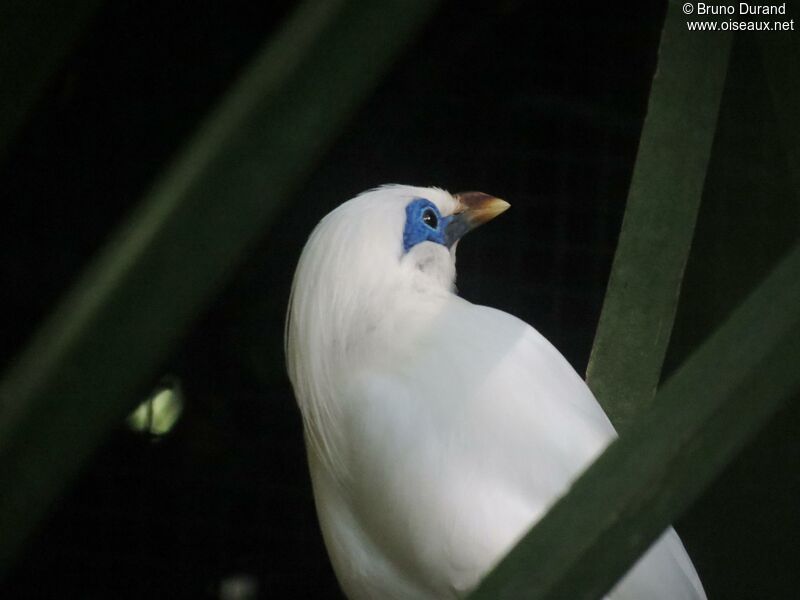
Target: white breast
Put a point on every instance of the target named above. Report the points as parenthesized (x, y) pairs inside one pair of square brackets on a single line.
[(462, 425)]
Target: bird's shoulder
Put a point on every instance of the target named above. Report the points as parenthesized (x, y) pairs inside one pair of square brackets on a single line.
[(482, 383), (482, 421), (495, 353)]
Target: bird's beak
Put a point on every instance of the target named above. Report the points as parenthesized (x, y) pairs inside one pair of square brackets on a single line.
[(474, 208)]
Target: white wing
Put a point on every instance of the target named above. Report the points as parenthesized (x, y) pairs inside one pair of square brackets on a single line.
[(483, 425)]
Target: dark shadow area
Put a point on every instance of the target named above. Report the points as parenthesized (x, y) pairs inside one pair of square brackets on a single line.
[(745, 526)]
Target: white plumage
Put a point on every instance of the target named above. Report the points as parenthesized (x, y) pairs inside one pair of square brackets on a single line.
[(438, 431)]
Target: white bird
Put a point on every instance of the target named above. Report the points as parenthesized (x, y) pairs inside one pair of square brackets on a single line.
[(438, 431)]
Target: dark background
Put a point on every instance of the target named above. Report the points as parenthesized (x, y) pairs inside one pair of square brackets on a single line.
[(541, 104)]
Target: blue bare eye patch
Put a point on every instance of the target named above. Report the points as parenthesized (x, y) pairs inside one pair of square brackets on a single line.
[(424, 223)]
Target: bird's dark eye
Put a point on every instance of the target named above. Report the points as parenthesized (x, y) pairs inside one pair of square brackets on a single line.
[(430, 219)]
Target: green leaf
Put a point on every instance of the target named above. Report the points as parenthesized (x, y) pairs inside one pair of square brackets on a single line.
[(667, 185), (80, 374)]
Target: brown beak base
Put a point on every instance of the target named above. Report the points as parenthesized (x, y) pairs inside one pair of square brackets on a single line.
[(475, 208)]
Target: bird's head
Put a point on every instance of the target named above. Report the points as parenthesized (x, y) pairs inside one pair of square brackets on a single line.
[(434, 221), (392, 241), (388, 247), (392, 237)]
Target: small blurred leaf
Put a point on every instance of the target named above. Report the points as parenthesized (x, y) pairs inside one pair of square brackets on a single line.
[(158, 414)]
